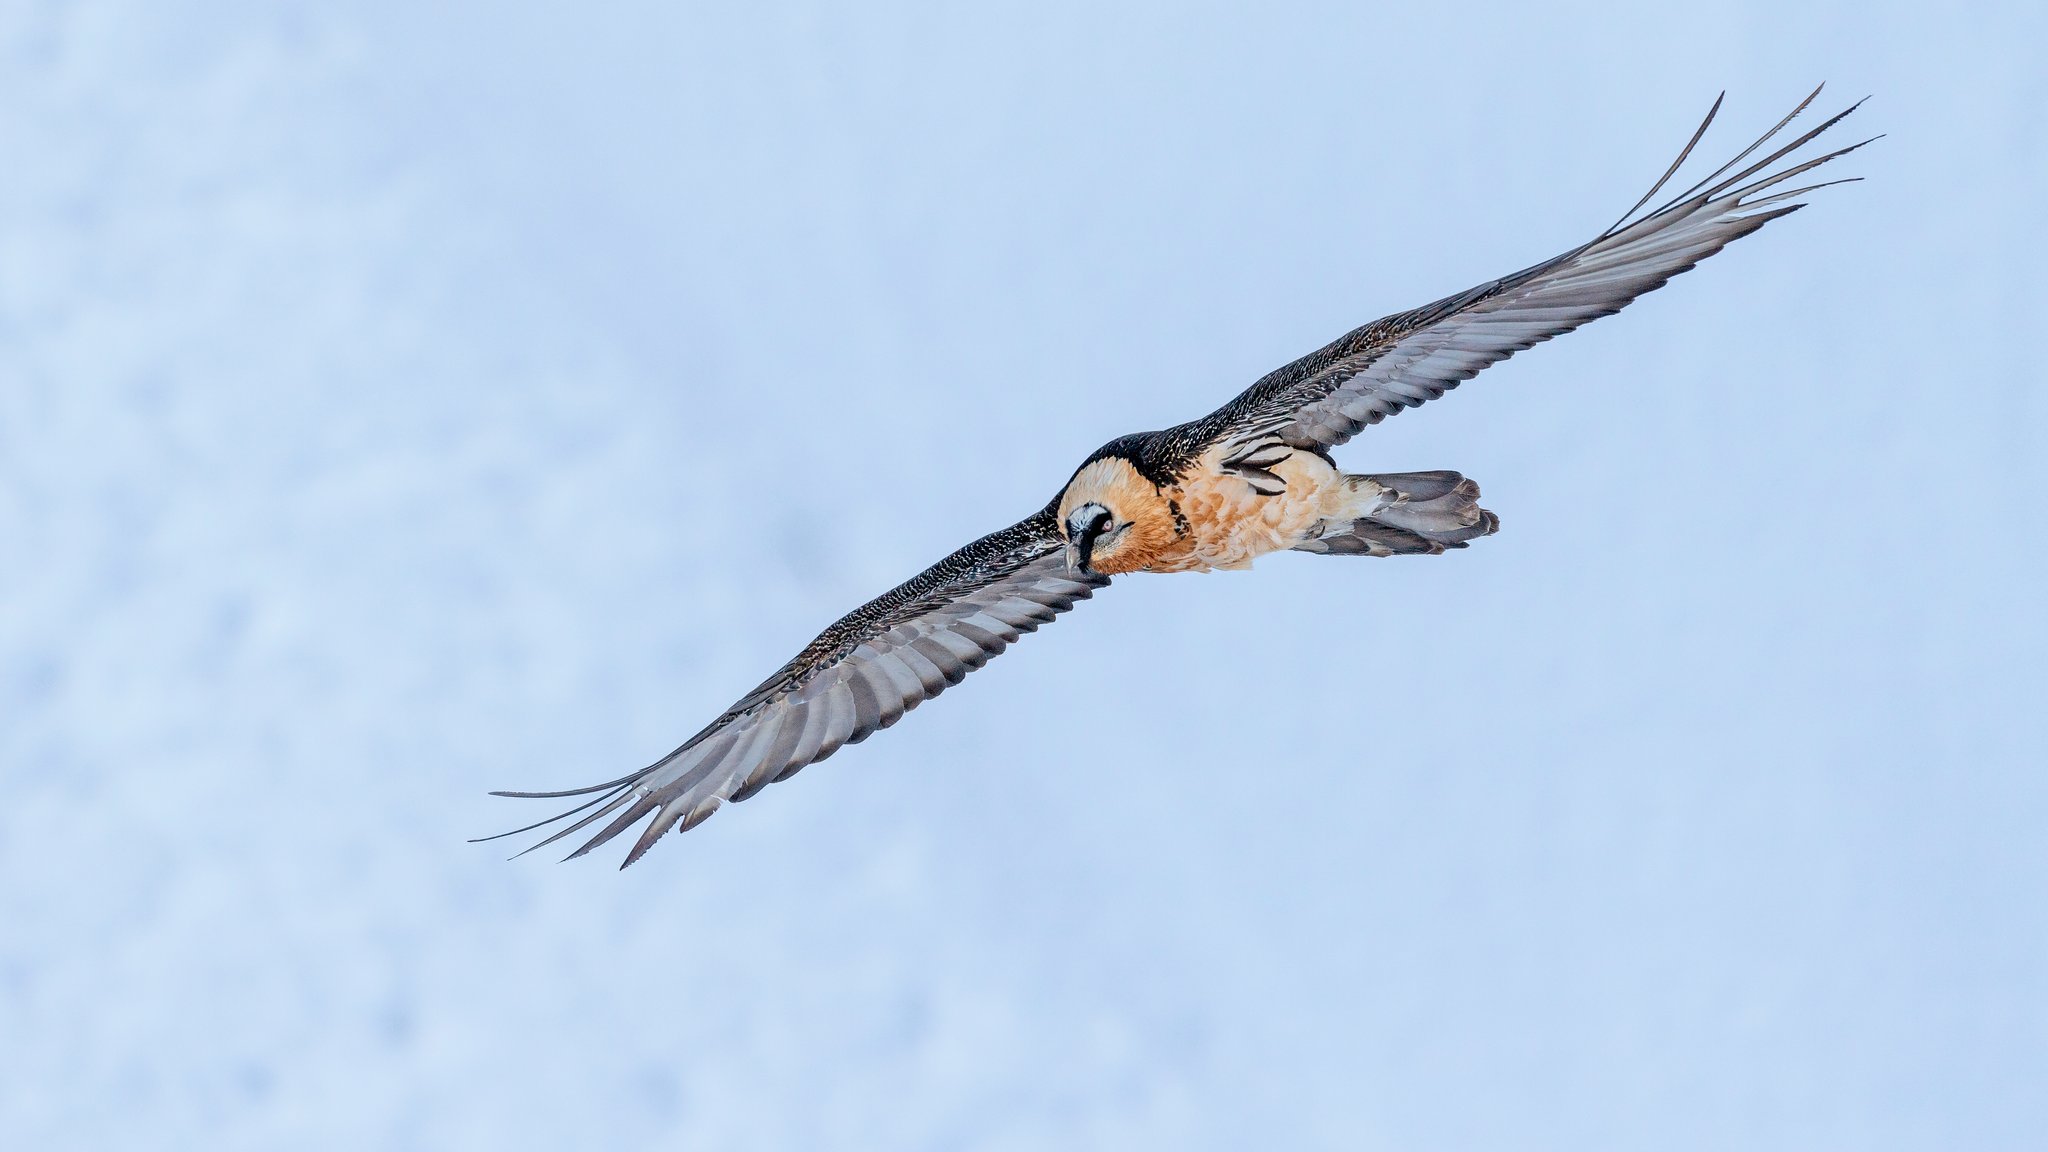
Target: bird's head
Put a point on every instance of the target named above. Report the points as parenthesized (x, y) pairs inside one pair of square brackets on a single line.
[(1113, 519)]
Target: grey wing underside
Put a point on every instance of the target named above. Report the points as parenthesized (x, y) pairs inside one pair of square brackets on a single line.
[(1404, 360), (859, 676)]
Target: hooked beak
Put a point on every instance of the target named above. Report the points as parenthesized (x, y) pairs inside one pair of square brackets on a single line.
[(1084, 525)]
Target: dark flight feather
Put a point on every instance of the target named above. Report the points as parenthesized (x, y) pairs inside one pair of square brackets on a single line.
[(859, 676)]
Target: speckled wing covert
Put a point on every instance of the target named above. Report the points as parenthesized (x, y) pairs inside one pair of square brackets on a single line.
[(1401, 361), (859, 676)]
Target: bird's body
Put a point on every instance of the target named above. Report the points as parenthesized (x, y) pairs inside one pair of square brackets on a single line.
[(1217, 517), (1253, 477), (1233, 504)]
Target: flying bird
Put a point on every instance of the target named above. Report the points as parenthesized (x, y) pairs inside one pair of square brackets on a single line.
[(1252, 477)]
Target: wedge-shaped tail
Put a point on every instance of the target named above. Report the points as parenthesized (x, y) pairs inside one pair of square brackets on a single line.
[(1407, 514)]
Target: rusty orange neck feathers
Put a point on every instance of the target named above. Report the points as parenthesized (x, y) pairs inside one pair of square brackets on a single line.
[(1140, 525)]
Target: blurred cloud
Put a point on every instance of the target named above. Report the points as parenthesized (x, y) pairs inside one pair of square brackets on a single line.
[(399, 402)]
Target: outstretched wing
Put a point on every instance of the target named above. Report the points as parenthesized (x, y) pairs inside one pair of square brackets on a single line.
[(859, 676), (1326, 397)]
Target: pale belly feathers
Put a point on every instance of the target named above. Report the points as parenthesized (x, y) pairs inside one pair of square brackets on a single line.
[(1233, 518)]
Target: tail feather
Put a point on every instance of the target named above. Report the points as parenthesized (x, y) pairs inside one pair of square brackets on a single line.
[(1407, 514)]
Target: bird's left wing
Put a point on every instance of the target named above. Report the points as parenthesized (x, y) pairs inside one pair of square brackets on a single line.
[(1409, 358), (859, 676)]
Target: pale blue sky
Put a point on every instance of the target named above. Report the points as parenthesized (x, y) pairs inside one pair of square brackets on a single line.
[(397, 405)]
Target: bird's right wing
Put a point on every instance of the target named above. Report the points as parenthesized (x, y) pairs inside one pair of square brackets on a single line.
[(1328, 396), (859, 676)]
